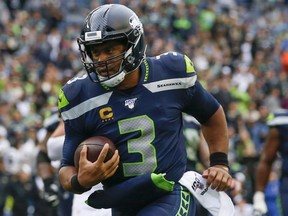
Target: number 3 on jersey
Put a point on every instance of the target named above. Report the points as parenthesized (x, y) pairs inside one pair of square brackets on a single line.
[(141, 145)]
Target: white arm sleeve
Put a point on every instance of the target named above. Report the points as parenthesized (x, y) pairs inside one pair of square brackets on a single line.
[(54, 147)]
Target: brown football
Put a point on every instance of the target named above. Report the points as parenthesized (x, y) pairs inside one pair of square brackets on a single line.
[(95, 145)]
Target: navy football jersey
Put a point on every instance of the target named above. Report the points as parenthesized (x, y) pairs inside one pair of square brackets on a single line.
[(145, 122), (279, 119)]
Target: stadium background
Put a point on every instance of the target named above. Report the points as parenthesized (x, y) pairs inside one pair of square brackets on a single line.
[(239, 48)]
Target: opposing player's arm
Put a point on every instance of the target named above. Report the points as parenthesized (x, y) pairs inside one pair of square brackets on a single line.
[(59, 131), (268, 156), (55, 142)]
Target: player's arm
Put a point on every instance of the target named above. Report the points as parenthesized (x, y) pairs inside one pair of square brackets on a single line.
[(268, 156), (55, 142), (215, 132), (207, 110), (203, 151), (216, 135), (44, 168), (89, 173), (60, 130), (65, 175), (204, 157)]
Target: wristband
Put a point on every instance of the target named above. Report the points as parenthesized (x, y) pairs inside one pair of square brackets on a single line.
[(77, 186), (219, 158)]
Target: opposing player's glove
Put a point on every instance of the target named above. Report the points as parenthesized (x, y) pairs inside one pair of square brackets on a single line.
[(259, 204), (51, 194), (52, 199)]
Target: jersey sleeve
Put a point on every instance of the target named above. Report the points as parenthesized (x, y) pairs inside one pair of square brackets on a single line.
[(72, 140), (177, 65), (73, 137), (199, 102)]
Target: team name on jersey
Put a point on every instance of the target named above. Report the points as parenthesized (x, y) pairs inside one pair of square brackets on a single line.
[(168, 84)]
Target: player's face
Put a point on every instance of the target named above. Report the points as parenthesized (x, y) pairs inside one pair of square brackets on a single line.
[(107, 57)]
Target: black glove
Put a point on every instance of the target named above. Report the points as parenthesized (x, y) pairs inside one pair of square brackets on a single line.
[(51, 193)]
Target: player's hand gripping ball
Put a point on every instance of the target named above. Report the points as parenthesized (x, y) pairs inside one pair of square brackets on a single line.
[(94, 146)]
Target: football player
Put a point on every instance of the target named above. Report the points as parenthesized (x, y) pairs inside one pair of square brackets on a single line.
[(137, 102), (276, 142)]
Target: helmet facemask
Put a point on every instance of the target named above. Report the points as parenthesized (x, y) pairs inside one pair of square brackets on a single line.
[(100, 71)]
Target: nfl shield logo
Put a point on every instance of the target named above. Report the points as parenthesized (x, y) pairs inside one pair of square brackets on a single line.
[(130, 103)]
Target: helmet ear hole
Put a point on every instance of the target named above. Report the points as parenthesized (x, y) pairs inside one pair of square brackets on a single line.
[(136, 32), (130, 59)]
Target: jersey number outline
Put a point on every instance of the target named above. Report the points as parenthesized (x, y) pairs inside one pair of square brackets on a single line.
[(141, 145)]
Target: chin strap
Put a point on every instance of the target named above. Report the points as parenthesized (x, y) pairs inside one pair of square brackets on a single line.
[(114, 81)]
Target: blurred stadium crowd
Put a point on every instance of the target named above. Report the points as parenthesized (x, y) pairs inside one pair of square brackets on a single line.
[(239, 48)]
